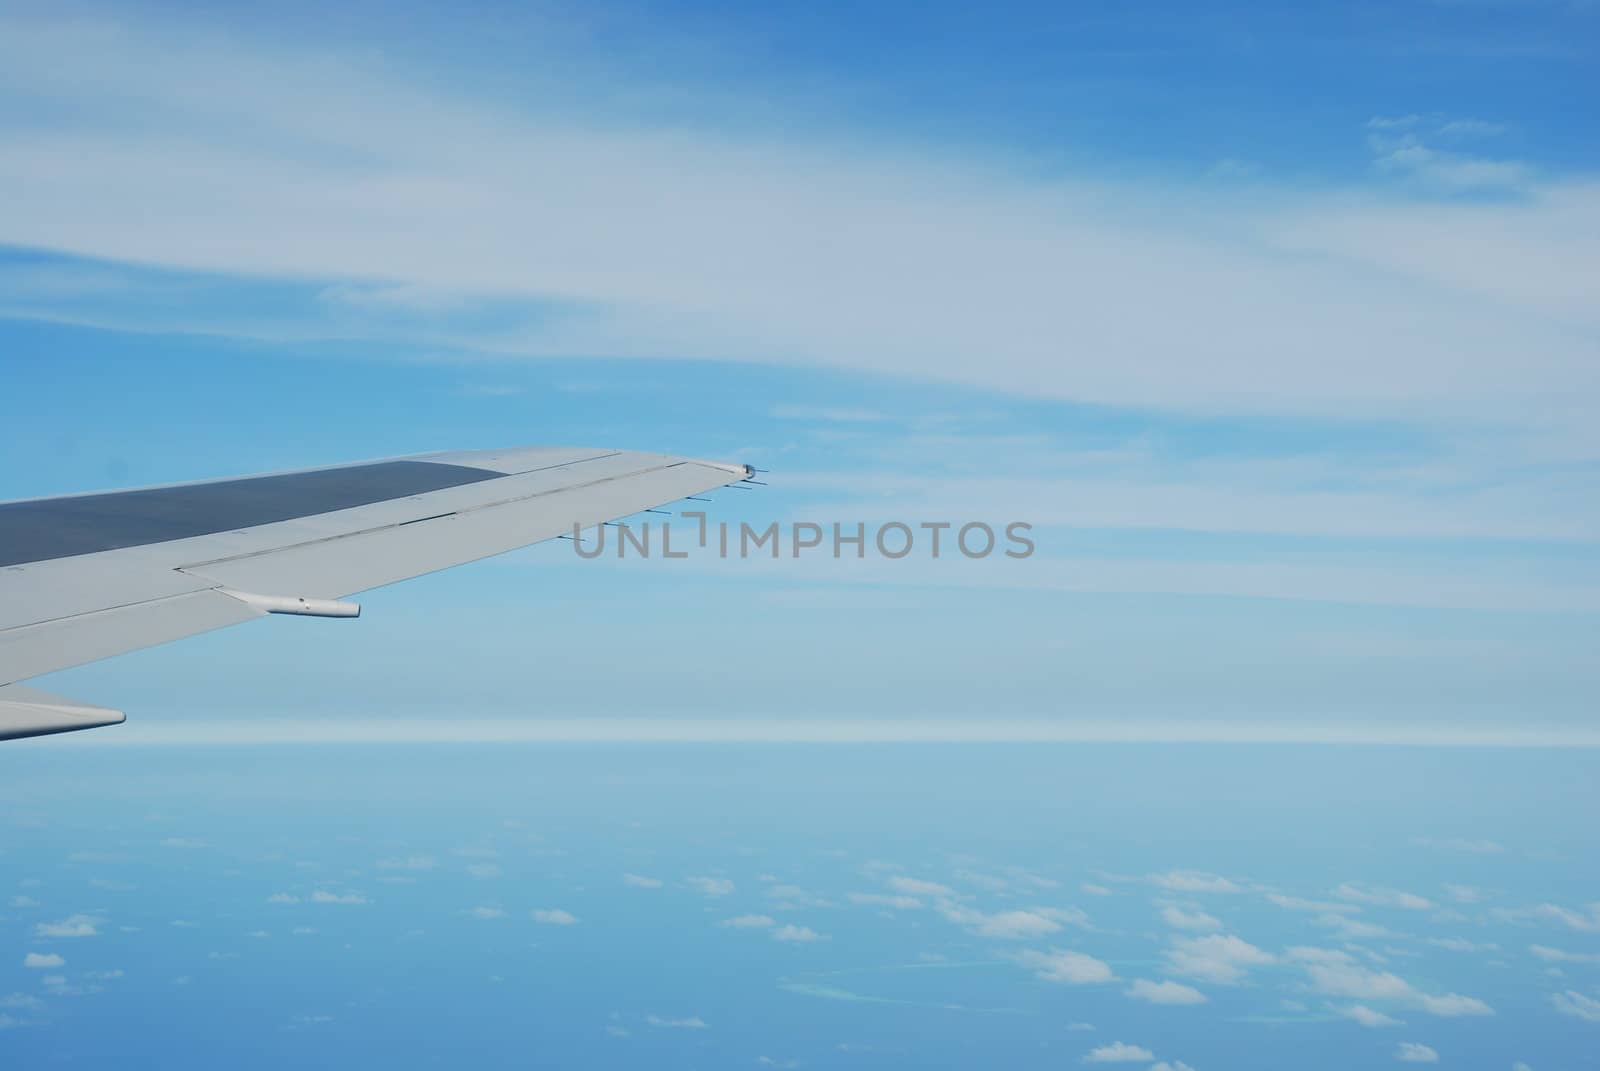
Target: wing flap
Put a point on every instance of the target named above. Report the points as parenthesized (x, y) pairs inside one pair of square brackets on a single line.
[(30, 712), (72, 641)]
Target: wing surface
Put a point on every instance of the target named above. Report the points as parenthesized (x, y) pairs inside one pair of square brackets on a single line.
[(84, 577)]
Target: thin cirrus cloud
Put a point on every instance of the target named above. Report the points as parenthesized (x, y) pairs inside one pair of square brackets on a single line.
[(725, 242)]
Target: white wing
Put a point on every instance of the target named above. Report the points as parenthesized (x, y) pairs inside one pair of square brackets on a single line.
[(88, 576)]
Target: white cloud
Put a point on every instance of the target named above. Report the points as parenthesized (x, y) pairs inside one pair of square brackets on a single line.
[(485, 912), (323, 896), (42, 960), (1096, 890), (1453, 1005), (71, 926), (1577, 1005), (23, 901), (1461, 944), (1352, 929), (690, 1023), (1410, 1052), (1194, 881), (638, 881), (1221, 958), (1070, 968), (748, 922), (483, 871), (1346, 979), (797, 934), (182, 842), (1464, 894), (1165, 992), (711, 886), (1557, 955), (1297, 903), (1176, 1065), (1119, 1052), (553, 916), (1365, 894), (918, 887), (1005, 925), (1366, 1016), (1182, 919), (1307, 954), (921, 259), (900, 903), (409, 862), (1584, 920)]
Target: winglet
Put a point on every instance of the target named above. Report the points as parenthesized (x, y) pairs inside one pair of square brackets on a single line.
[(30, 712)]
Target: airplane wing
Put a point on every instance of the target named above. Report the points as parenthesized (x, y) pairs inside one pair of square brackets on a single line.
[(84, 577)]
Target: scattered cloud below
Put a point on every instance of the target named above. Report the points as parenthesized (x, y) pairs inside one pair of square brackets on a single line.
[(1378, 897), (889, 900), (1165, 992), (1577, 1005), (1119, 1052), (749, 922), (1336, 977), (1005, 925), (1183, 919), (1070, 968), (43, 960), (1194, 881), (918, 887), (1297, 903), (711, 886), (639, 881), (1221, 958), (693, 1022), (323, 896), (1557, 955), (1366, 1016), (553, 916), (797, 934), (410, 862), (71, 926), (1410, 1052)]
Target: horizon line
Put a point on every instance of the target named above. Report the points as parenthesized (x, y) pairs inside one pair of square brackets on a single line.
[(623, 730)]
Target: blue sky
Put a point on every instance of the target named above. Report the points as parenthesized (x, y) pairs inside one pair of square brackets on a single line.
[(1277, 322)]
